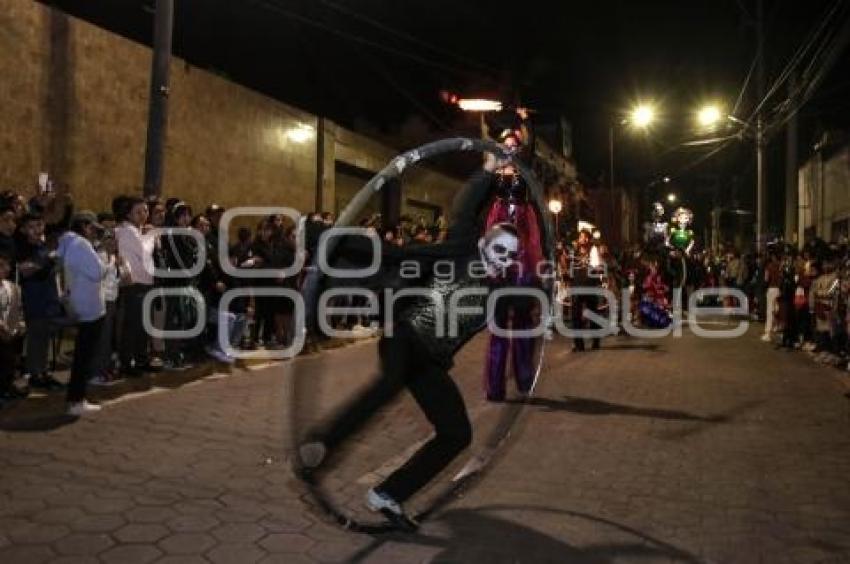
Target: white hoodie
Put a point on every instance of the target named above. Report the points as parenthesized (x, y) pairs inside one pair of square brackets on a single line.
[(84, 274)]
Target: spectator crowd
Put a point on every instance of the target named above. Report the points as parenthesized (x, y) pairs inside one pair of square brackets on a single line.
[(802, 296), (68, 271)]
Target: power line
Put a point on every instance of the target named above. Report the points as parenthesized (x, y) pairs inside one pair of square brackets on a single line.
[(411, 38), (701, 159), (376, 65), (839, 41), (746, 13), (798, 56), (744, 86), (272, 7)]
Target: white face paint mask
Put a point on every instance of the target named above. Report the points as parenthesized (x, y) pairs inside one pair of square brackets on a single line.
[(499, 253)]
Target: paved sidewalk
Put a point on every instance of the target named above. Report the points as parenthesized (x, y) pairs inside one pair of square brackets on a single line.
[(681, 450)]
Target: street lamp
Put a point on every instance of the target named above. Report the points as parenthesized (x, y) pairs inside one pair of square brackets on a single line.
[(709, 115), (555, 206), (671, 197), (642, 116)]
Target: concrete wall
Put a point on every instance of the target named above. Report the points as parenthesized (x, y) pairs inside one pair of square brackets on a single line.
[(824, 193), (73, 102)]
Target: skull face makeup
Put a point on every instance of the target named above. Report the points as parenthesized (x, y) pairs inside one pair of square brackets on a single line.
[(499, 248), (684, 217)]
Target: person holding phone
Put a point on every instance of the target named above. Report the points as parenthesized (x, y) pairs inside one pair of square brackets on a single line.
[(36, 268)]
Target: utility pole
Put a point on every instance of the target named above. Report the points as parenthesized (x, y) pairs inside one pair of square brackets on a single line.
[(761, 166), (320, 164), (158, 104), (611, 177), (791, 189)]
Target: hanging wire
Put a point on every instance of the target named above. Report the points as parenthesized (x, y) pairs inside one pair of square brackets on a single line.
[(407, 36), (744, 86), (798, 56), (383, 73), (280, 10)]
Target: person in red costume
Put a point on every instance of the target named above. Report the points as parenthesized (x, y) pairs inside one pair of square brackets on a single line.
[(512, 206), (654, 305)]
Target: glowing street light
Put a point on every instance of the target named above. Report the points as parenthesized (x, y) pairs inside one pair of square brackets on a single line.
[(642, 116), (672, 198), (555, 206), (709, 115)]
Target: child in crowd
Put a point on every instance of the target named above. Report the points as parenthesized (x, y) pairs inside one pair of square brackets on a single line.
[(106, 372), (12, 328)]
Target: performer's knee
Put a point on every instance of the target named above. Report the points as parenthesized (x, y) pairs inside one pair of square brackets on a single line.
[(459, 437)]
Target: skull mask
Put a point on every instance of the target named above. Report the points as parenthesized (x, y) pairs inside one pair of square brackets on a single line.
[(684, 217), (499, 248)]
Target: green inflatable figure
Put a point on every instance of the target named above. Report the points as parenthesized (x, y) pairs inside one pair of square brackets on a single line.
[(681, 237)]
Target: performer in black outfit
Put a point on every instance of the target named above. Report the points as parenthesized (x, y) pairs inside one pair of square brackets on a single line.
[(417, 359)]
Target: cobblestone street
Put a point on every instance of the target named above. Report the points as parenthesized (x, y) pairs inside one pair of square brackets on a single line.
[(678, 450)]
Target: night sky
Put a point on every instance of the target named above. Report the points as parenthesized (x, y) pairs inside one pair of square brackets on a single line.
[(379, 65)]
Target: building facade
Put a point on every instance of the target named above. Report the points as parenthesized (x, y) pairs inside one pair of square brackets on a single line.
[(75, 102), (824, 193)]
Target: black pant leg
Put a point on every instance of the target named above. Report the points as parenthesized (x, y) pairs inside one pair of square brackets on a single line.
[(135, 339), (593, 306), (7, 364), (394, 354), (577, 310), (789, 333), (85, 358), (441, 402)]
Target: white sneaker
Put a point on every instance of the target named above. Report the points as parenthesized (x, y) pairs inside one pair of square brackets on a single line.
[(220, 356), (80, 408), (391, 509), (361, 332), (377, 501), (765, 338)]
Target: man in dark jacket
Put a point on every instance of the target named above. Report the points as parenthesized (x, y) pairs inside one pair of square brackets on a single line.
[(36, 266)]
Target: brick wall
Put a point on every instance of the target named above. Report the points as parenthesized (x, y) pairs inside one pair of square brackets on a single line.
[(73, 102)]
